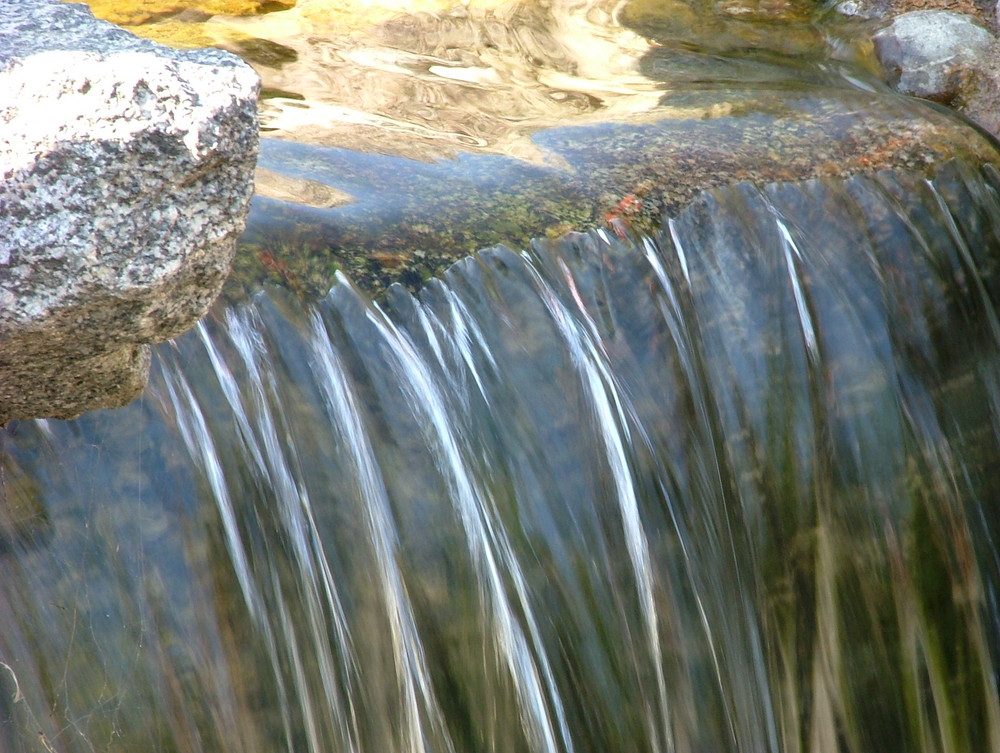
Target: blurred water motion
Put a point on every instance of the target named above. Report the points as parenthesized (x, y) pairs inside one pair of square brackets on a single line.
[(731, 489), (724, 485)]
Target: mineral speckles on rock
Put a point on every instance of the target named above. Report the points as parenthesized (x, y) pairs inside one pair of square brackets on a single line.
[(927, 53), (125, 174)]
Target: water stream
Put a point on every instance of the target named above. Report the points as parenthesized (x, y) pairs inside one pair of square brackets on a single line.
[(721, 479), (731, 488)]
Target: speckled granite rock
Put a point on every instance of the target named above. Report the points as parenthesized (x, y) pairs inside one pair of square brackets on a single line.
[(126, 170), (943, 50), (933, 53)]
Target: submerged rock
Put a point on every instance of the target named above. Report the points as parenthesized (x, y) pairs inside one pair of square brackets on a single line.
[(126, 170)]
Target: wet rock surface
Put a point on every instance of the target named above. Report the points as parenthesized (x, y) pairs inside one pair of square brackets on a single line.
[(946, 51), (931, 53), (125, 176)]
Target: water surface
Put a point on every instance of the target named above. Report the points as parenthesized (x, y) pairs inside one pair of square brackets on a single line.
[(400, 137)]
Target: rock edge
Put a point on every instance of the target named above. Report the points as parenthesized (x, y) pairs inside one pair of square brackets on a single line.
[(126, 171)]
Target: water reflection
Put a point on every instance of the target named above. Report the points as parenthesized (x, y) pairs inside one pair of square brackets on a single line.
[(429, 80), (481, 76), (403, 136)]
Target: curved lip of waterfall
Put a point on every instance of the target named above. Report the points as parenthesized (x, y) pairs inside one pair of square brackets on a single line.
[(398, 140), (393, 220), (722, 490)]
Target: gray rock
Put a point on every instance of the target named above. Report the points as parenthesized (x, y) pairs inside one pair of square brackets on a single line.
[(933, 53), (126, 170)]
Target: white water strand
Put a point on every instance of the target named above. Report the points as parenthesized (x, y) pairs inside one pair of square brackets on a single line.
[(276, 471), (194, 431), (410, 662), (678, 247), (198, 440), (532, 675), (691, 566), (793, 259), (464, 333), (605, 398), (681, 331)]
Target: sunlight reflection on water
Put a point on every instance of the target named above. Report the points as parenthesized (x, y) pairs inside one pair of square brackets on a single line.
[(426, 79)]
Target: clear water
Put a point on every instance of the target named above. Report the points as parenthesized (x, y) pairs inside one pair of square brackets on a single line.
[(730, 488), (400, 137), (428, 79), (725, 484)]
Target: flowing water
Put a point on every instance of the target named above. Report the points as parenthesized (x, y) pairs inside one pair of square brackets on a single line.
[(732, 488), (400, 137), (719, 480)]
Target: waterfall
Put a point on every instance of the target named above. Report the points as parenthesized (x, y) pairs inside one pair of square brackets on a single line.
[(731, 489)]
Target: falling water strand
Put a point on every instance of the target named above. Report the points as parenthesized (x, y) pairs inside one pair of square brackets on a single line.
[(653, 256), (275, 463), (683, 328), (793, 259), (462, 325), (491, 551), (965, 253), (275, 472), (606, 401), (411, 664), (673, 319), (199, 443), (191, 422)]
